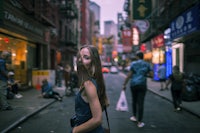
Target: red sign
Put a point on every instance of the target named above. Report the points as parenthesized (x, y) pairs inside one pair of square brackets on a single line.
[(143, 47), (127, 40), (158, 41), (126, 37)]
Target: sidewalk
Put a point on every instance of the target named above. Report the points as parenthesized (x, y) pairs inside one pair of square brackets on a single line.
[(25, 107), (192, 107)]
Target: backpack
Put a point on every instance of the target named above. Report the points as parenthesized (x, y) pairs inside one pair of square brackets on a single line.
[(177, 81)]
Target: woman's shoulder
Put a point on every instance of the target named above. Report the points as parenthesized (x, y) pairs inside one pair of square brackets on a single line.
[(89, 82), (89, 88)]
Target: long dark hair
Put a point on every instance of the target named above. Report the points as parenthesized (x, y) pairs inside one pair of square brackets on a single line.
[(94, 72)]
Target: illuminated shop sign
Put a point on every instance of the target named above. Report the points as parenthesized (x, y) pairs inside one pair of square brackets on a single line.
[(127, 40), (158, 41), (186, 23), (143, 47), (135, 36), (158, 56)]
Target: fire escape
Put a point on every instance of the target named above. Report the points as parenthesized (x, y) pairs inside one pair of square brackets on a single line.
[(69, 16)]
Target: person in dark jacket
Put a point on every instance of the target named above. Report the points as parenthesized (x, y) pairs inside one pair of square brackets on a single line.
[(176, 79), (4, 105)]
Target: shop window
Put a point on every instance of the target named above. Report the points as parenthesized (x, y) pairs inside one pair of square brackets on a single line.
[(18, 58)]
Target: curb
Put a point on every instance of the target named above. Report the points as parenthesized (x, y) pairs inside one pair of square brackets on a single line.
[(172, 101), (21, 120)]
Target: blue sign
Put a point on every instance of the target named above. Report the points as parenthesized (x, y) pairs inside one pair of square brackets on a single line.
[(168, 55), (186, 23)]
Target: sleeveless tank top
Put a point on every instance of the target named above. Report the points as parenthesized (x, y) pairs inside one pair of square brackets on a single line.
[(83, 112)]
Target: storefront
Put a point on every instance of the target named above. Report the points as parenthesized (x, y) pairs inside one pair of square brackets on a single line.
[(23, 37), (158, 53), (22, 54), (178, 55), (147, 50), (185, 31)]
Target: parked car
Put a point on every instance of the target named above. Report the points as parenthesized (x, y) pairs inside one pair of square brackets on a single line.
[(114, 69), (105, 70)]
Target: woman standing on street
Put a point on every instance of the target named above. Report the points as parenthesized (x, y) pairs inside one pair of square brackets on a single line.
[(91, 98)]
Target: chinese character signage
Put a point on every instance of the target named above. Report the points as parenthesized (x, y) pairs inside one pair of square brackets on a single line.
[(127, 37), (135, 35), (186, 23), (141, 9), (127, 40)]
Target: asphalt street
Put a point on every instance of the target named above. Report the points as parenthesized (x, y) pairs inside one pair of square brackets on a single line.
[(159, 116)]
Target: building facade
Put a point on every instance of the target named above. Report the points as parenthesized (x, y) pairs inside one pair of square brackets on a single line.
[(172, 35), (25, 37), (69, 32), (34, 32)]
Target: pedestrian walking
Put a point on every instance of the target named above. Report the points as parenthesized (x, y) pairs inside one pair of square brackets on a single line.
[(74, 78), (4, 105), (162, 76), (59, 75), (91, 98), (67, 71), (176, 79), (138, 72)]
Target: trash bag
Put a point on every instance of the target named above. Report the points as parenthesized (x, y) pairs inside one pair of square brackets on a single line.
[(190, 93), (122, 104)]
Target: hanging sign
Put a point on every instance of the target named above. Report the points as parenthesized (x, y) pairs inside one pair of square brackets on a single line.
[(141, 9), (158, 41), (143, 25)]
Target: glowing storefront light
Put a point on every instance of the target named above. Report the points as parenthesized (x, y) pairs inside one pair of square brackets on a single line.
[(158, 56), (135, 35)]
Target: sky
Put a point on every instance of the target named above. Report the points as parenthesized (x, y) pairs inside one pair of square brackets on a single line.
[(109, 10)]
